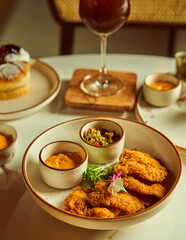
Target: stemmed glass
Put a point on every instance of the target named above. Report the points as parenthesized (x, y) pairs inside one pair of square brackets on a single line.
[(103, 17)]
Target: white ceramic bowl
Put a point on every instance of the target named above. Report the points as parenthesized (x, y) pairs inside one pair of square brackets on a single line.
[(7, 154), (161, 98), (62, 178), (103, 154), (138, 136)]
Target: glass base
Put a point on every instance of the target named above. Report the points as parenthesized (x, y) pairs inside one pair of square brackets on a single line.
[(93, 87)]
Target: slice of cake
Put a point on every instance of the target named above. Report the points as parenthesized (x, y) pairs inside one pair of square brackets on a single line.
[(14, 71)]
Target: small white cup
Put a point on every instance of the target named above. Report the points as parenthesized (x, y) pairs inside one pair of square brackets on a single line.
[(103, 154), (62, 178), (7, 154), (161, 98)]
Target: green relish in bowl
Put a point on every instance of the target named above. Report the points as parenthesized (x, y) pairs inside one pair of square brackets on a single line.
[(100, 137)]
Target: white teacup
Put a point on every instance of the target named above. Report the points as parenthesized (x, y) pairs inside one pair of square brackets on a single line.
[(7, 153)]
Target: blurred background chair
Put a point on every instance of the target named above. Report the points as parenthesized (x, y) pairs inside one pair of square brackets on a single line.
[(6, 8), (170, 14)]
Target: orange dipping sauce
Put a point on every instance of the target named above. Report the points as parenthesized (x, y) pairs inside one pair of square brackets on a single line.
[(3, 142), (161, 85), (67, 160)]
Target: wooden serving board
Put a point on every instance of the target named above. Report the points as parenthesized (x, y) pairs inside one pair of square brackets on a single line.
[(123, 101)]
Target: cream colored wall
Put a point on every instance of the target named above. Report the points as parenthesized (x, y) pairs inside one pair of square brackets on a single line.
[(32, 26)]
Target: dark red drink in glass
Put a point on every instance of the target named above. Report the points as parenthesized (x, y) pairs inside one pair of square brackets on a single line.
[(104, 16)]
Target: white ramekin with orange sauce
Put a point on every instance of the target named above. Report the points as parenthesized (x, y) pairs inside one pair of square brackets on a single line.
[(161, 89)]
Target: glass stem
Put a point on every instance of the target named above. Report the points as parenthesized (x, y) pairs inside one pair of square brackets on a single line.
[(103, 70)]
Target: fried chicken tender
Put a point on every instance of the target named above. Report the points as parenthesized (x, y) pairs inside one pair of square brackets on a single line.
[(76, 202), (99, 202), (141, 174), (101, 186), (141, 165), (124, 201), (102, 212), (136, 185)]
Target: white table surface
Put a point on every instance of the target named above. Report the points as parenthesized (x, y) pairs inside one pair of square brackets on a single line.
[(22, 218)]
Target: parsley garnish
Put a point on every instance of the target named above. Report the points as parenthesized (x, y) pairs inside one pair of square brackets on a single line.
[(96, 173)]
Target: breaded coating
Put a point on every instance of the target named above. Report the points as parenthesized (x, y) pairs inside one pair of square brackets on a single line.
[(141, 165), (124, 201), (101, 186), (102, 212), (141, 175), (95, 202), (76, 202), (119, 167), (136, 185)]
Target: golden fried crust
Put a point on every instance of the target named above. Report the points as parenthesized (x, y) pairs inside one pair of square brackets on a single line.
[(100, 186), (141, 174), (124, 201), (83, 202), (76, 202), (142, 165), (102, 212), (118, 167), (136, 185)]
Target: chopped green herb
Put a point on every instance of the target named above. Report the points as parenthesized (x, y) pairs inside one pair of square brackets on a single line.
[(96, 173), (100, 137)]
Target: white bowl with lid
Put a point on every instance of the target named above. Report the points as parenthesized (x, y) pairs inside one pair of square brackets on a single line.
[(166, 89)]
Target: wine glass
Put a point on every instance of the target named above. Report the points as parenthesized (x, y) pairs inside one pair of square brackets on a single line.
[(103, 17)]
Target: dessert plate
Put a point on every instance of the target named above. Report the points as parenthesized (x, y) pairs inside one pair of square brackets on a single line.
[(138, 136), (45, 85), (170, 120)]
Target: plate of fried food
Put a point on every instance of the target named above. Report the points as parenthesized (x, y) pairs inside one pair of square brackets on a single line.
[(26, 84), (125, 191)]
